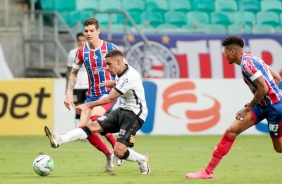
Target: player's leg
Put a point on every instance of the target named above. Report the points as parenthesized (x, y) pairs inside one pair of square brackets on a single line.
[(79, 97), (95, 139), (107, 107), (274, 119), (110, 137), (224, 145), (77, 134), (130, 124), (277, 144)]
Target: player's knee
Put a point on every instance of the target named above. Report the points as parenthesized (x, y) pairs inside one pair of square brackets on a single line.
[(231, 132)]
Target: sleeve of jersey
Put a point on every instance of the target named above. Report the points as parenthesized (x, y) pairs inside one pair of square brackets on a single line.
[(78, 61), (123, 86), (251, 69), (70, 59), (115, 47)]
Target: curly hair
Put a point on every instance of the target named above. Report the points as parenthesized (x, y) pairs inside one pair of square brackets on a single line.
[(234, 40)]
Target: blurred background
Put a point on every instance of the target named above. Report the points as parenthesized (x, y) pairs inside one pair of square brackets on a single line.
[(169, 42)]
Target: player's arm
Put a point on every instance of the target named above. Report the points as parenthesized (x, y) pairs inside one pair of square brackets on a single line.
[(275, 75), (71, 83), (261, 90), (109, 83), (72, 80), (114, 94), (67, 76)]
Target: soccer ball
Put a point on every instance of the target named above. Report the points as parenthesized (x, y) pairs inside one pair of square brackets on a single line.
[(43, 165)]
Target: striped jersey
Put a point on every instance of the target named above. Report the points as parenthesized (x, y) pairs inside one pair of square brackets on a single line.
[(94, 62), (253, 67)]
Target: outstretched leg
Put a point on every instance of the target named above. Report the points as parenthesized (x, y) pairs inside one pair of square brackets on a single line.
[(224, 146)]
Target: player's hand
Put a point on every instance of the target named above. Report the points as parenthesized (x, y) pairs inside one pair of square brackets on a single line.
[(84, 108), (108, 83), (69, 101), (241, 114)]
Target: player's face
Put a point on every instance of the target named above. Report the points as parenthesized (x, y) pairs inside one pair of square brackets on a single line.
[(229, 54), (112, 64), (91, 33), (81, 40)]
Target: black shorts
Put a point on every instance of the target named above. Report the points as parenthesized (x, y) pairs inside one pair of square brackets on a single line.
[(79, 95), (123, 121)]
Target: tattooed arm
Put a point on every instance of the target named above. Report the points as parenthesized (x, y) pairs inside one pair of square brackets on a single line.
[(71, 83)]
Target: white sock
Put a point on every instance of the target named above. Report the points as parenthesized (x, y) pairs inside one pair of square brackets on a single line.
[(76, 122), (134, 156), (73, 135)]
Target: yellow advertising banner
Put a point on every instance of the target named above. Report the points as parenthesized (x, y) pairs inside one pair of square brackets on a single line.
[(26, 105)]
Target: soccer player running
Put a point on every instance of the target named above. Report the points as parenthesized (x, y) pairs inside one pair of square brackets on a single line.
[(266, 103), (91, 55), (127, 119)]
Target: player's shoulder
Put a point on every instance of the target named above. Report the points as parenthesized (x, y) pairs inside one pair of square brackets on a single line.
[(110, 45), (73, 50), (133, 73), (80, 48)]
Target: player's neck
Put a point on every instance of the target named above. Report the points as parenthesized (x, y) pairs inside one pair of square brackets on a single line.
[(95, 44), (123, 68)]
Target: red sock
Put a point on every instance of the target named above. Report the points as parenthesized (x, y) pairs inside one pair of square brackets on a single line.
[(98, 143), (110, 137), (220, 150)]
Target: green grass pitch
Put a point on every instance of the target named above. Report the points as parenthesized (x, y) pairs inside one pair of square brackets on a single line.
[(251, 160)]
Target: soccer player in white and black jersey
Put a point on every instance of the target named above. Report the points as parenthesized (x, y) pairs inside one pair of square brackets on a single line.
[(127, 119)]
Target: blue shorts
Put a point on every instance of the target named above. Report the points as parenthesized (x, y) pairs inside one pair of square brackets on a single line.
[(273, 115)]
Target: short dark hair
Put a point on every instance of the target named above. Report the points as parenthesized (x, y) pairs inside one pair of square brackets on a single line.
[(78, 35), (114, 53), (233, 40), (91, 21)]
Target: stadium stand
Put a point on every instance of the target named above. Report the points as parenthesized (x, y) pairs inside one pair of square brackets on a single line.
[(156, 5), (203, 5), (271, 5), (224, 5), (222, 18), (176, 18), (269, 18), (133, 6), (153, 19), (197, 17), (263, 29), (109, 5), (87, 5), (249, 5), (234, 15), (181, 5)]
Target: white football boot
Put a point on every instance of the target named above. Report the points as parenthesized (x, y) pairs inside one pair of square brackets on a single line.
[(53, 136), (110, 162), (120, 162), (144, 167)]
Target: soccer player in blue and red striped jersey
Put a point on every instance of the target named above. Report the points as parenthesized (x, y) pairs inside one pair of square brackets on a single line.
[(266, 103), (92, 56)]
